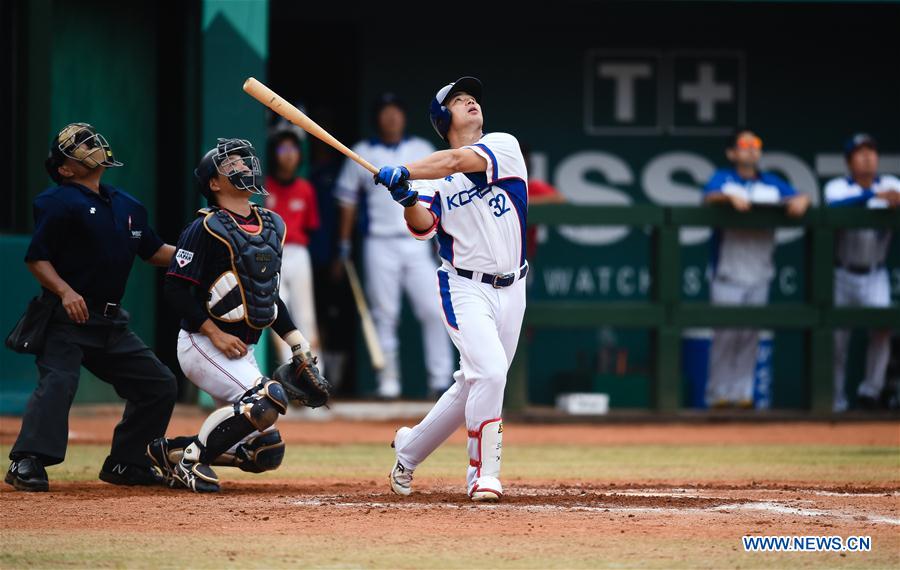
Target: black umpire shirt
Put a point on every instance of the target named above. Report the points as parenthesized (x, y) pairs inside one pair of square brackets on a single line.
[(91, 239)]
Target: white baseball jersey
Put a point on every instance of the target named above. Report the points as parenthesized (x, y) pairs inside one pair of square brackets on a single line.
[(863, 247), (479, 218), (745, 255), (355, 182)]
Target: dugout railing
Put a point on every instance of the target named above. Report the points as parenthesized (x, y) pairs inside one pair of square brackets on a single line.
[(665, 314)]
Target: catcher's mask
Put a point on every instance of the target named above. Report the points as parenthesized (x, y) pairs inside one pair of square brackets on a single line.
[(82, 143), (234, 159)]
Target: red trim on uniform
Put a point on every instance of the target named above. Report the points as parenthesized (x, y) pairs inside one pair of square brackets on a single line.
[(477, 434), (434, 222), (185, 277), (214, 363), (475, 488)]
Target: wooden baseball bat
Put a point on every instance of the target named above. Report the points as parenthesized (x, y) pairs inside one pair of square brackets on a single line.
[(275, 102), (368, 327)]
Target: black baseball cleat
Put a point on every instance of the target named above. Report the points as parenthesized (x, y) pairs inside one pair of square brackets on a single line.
[(129, 474), (28, 474), (158, 452), (197, 477)]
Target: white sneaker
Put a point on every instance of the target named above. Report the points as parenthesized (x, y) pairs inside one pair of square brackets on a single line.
[(486, 490), (400, 477), (389, 389)]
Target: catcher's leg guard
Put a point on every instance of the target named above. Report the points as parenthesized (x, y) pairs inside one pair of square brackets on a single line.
[(256, 411), (489, 447), (264, 452)]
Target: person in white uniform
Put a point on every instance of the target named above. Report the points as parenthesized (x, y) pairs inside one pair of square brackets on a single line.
[(742, 264), (860, 276), (393, 262), (474, 198)]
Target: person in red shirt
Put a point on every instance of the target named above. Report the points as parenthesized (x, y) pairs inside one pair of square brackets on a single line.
[(294, 199), (539, 192)]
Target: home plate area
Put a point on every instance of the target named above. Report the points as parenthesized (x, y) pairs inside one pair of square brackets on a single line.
[(862, 505)]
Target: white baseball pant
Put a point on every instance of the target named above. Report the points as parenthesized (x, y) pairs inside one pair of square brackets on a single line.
[(871, 289), (484, 324), (225, 379), (394, 265), (732, 357)]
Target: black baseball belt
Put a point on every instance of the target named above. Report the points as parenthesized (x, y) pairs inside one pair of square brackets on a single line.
[(859, 269), (107, 309), (496, 281)]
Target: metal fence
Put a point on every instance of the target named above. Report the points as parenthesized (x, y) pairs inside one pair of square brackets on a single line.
[(666, 315)]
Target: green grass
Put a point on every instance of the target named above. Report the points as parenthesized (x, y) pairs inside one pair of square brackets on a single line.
[(414, 550), (819, 463)]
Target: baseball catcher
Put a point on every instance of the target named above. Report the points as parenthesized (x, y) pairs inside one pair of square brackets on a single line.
[(223, 281)]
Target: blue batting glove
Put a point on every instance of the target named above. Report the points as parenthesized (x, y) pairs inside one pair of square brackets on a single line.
[(392, 175), (404, 195)]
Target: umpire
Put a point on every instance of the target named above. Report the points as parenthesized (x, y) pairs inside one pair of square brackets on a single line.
[(85, 238)]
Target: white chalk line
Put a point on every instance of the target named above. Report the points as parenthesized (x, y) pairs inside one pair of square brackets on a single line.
[(681, 492), (802, 512)]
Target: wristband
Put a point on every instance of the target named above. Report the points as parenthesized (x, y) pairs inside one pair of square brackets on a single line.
[(296, 341)]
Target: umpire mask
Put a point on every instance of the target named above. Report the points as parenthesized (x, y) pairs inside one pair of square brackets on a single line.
[(81, 142)]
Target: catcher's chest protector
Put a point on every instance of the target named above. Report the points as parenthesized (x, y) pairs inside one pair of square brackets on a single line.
[(249, 291)]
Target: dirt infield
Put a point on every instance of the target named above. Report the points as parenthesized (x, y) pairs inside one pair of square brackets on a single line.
[(335, 516)]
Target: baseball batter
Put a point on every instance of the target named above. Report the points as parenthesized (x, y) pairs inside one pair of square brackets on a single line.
[(474, 198), (860, 276), (224, 281), (394, 263)]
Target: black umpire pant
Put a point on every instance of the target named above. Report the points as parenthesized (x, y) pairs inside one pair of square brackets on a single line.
[(110, 350)]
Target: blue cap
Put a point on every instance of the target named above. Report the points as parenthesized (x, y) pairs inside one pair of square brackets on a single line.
[(859, 140), (437, 110)]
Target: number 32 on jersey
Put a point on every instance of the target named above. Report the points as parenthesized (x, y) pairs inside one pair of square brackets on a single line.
[(498, 204)]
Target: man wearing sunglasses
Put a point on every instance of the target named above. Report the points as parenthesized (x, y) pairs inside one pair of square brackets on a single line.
[(86, 235), (742, 264)]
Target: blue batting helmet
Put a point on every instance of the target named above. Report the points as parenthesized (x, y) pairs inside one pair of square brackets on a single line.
[(438, 112)]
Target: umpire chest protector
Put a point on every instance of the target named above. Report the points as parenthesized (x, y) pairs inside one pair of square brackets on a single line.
[(249, 291)]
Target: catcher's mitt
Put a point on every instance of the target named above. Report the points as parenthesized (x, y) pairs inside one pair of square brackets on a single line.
[(302, 381)]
